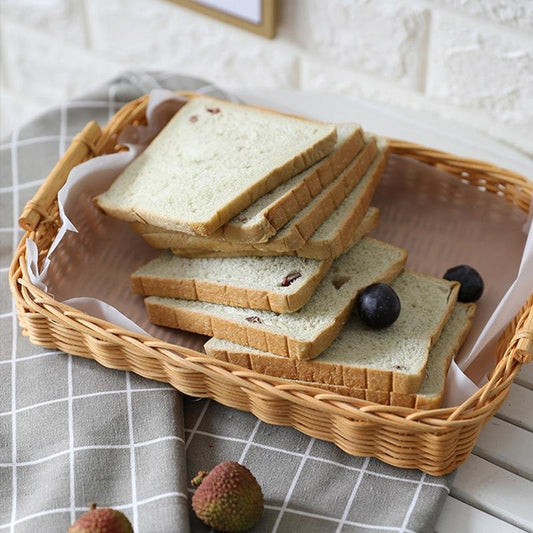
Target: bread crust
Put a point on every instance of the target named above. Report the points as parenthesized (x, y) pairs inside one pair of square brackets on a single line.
[(301, 227), (247, 195), (345, 380), (209, 291), (314, 248), (296, 234), (280, 211), (256, 335)]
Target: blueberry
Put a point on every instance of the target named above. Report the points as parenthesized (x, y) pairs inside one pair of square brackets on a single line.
[(378, 305), (471, 282)]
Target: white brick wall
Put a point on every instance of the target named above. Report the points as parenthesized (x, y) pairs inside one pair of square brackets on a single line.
[(499, 66), (468, 60), (512, 13), (160, 35), (383, 37), (44, 67), (63, 18)]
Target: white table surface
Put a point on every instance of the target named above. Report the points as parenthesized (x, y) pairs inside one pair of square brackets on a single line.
[(493, 489)]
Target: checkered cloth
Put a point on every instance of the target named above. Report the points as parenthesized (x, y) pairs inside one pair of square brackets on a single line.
[(73, 432)]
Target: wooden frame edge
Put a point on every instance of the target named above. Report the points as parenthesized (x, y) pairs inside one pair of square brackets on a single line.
[(267, 27)]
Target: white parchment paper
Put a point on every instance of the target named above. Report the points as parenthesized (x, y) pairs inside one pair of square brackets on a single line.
[(432, 215)]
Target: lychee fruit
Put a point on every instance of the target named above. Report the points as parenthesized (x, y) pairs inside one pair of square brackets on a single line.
[(102, 520), (228, 498)]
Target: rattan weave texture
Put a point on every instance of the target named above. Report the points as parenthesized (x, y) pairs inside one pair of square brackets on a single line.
[(434, 441)]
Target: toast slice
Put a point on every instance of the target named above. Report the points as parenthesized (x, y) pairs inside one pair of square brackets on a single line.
[(336, 235), (302, 335), (300, 229), (364, 172), (225, 154), (268, 214), (281, 284), (429, 396)]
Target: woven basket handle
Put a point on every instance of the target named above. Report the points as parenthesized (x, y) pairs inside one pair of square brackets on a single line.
[(524, 335), (82, 145)]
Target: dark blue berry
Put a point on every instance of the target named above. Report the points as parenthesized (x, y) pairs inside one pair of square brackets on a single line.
[(471, 282), (378, 305)]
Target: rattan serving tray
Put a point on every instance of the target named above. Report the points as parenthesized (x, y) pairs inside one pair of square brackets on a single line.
[(434, 441)]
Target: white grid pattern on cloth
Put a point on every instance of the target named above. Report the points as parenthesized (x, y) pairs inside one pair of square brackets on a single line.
[(413, 502), (77, 396), (336, 520), (71, 509), (353, 495), (340, 522), (319, 459), (84, 509), (249, 441), (28, 357), (21, 187), (95, 447), (293, 485), (197, 425), (132, 454), (362, 471), (368, 469), (72, 481), (14, 173), (289, 510)]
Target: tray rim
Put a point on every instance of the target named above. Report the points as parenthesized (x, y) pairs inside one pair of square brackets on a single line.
[(43, 317)]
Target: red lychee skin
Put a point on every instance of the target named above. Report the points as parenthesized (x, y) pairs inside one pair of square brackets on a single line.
[(229, 489), (102, 520)]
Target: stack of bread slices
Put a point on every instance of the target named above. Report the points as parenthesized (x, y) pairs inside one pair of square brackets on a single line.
[(263, 219)]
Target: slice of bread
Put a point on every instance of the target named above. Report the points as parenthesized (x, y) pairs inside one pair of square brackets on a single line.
[(300, 229), (364, 172), (431, 392), (429, 396), (302, 335), (212, 160), (341, 230), (272, 211), (392, 359), (281, 284), (336, 235)]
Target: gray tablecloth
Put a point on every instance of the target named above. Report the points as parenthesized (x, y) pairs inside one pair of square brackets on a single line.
[(73, 432)]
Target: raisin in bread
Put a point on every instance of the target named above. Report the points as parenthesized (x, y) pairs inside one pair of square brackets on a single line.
[(212, 160), (268, 214), (302, 335), (281, 284), (428, 396)]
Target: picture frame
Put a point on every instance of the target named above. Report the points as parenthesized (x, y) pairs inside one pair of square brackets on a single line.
[(257, 16)]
